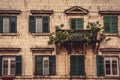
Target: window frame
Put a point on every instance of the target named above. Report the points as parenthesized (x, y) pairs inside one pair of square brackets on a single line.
[(76, 21), (9, 59), (35, 32), (45, 57), (111, 24), (111, 69), (12, 25)]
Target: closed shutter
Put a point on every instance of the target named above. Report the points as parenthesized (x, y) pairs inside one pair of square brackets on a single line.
[(13, 24), (18, 65), (114, 23), (52, 65), (1, 24), (79, 23), (100, 65), (72, 23), (45, 24), (38, 65), (107, 24), (111, 24), (0, 65), (72, 65), (77, 66), (81, 67), (32, 24)]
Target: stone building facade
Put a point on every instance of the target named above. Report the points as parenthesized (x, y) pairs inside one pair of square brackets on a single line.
[(22, 48)]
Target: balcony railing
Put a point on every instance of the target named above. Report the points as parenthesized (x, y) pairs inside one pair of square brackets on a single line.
[(78, 35)]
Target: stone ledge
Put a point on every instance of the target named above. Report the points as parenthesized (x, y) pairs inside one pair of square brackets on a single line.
[(10, 49)]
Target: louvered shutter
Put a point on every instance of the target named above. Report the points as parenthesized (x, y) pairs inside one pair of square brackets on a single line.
[(72, 65), (107, 24), (81, 67), (72, 23), (18, 65), (13, 24), (38, 65), (100, 65), (1, 24), (79, 23), (32, 24), (77, 66), (52, 65), (45, 24), (0, 65), (114, 24)]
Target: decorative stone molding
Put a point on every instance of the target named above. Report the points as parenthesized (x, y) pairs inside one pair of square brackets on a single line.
[(41, 49), (10, 49), (109, 12), (41, 11), (10, 11), (110, 49), (76, 10)]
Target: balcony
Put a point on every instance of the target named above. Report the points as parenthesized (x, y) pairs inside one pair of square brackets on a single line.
[(76, 36)]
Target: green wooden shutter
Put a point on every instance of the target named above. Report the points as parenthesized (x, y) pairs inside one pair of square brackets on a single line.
[(45, 24), (79, 23), (52, 65), (13, 24), (72, 65), (32, 24), (114, 24), (111, 24), (38, 65), (0, 65), (18, 65), (77, 66), (1, 24), (107, 24), (81, 65), (100, 65), (72, 23)]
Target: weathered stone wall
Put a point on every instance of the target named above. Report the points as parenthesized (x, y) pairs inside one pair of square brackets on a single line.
[(26, 40)]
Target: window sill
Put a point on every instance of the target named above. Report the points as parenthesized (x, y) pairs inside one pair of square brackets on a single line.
[(111, 34), (8, 34), (41, 34)]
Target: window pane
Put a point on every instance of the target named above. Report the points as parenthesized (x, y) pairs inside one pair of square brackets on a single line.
[(45, 66), (6, 24), (5, 67), (107, 65), (12, 70), (114, 67), (39, 24)]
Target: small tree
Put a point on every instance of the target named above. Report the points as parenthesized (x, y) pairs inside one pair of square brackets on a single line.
[(94, 36)]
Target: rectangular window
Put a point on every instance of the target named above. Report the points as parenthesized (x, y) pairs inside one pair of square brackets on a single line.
[(8, 24), (111, 66), (39, 24), (77, 23), (45, 65), (111, 24), (77, 65), (9, 66)]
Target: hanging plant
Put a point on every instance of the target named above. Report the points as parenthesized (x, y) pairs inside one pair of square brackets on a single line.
[(92, 36)]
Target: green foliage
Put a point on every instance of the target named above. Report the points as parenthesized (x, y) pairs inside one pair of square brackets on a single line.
[(61, 36)]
